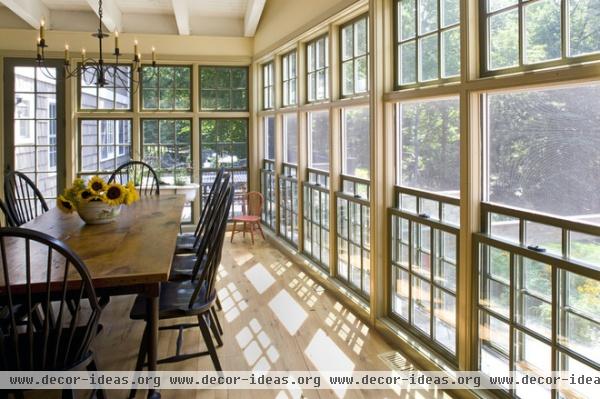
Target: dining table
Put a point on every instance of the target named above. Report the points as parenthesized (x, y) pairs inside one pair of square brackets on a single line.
[(131, 255)]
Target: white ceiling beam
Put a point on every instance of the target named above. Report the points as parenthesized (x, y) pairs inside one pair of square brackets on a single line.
[(30, 11), (252, 17), (111, 14), (182, 16)]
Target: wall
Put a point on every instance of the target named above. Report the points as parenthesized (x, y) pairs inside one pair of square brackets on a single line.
[(283, 19)]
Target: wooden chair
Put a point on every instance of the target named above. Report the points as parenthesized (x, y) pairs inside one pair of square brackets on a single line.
[(192, 298), (253, 203), (142, 174), (61, 340), (10, 222), (23, 199), (188, 243)]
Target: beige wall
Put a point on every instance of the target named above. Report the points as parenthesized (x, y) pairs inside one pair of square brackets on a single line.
[(284, 19)]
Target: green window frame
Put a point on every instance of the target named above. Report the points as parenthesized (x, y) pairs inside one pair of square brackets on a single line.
[(166, 88), (518, 35), (427, 42), (223, 88), (354, 56), (115, 95)]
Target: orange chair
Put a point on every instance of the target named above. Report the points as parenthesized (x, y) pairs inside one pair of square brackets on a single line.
[(252, 208)]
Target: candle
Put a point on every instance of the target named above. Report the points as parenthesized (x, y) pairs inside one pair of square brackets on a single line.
[(135, 46), (83, 56), (116, 39), (67, 53), (38, 47), (139, 56), (42, 23), (153, 54)]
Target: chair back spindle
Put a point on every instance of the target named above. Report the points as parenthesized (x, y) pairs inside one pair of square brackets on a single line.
[(142, 174), (23, 199), (254, 203)]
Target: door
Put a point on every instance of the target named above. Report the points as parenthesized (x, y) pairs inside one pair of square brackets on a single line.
[(34, 123)]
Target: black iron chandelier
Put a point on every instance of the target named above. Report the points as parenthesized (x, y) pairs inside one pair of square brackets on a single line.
[(96, 72)]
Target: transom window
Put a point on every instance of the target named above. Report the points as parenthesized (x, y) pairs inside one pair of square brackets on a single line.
[(166, 88), (355, 57), (268, 81), (521, 33), (317, 53), (223, 88), (114, 95), (289, 78), (356, 159), (428, 41)]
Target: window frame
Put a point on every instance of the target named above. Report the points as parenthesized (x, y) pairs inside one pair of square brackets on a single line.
[(108, 110), (437, 32), (268, 86), (354, 94), (230, 89), (80, 121), (143, 110), (285, 59), (326, 68)]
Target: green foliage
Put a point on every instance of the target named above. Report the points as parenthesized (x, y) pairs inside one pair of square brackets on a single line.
[(223, 88)]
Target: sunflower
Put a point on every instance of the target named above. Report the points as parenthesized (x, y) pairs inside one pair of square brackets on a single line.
[(85, 195), (96, 185), (115, 194), (65, 205), (78, 184)]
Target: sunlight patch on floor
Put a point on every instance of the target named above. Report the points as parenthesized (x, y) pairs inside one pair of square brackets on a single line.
[(232, 301), (288, 311), (257, 347), (260, 278)]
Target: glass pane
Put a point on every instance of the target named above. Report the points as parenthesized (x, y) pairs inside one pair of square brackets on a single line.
[(494, 344), (360, 40), (348, 78), (269, 132), (319, 140), (401, 293), (428, 18), (504, 227), (347, 42), (421, 304), (532, 355), (584, 247), (408, 63), (494, 5), (584, 35), (290, 140), (542, 31), (361, 74), (543, 150), (356, 142), (445, 319), (503, 38), (407, 19), (544, 236), (451, 53), (430, 146), (450, 12), (428, 58)]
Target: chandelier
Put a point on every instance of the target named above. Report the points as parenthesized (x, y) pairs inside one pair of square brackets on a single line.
[(96, 72)]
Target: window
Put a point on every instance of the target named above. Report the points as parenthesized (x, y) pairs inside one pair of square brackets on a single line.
[(429, 145), (428, 41), (166, 88), (52, 154), (116, 93), (224, 144), (521, 33), (290, 139), (289, 79), (269, 134), (542, 150), (317, 54), (166, 146), (355, 57), (267, 186), (356, 159), (268, 81), (318, 140), (223, 88), (104, 145)]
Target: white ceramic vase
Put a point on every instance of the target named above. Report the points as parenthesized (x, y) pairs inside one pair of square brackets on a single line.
[(97, 212)]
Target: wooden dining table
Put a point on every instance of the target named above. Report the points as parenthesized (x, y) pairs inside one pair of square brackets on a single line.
[(131, 255)]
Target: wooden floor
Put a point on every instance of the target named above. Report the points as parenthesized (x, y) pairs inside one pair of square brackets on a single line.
[(275, 317)]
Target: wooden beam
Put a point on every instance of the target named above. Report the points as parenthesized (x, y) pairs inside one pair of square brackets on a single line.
[(111, 14), (182, 16), (30, 11), (252, 17)]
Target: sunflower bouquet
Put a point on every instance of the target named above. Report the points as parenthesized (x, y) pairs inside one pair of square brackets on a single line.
[(104, 198)]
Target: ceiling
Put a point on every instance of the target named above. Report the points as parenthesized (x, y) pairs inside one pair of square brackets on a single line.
[(183, 17)]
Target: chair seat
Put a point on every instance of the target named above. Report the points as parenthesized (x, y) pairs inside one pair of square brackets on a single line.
[(174, 301), (73, 362), (183, 266), (185, 243), (246, 218)]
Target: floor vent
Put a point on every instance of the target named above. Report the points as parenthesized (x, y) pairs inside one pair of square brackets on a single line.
[(395, 361)]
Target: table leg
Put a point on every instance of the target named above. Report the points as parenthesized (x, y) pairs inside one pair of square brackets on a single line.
[(152, 312)]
